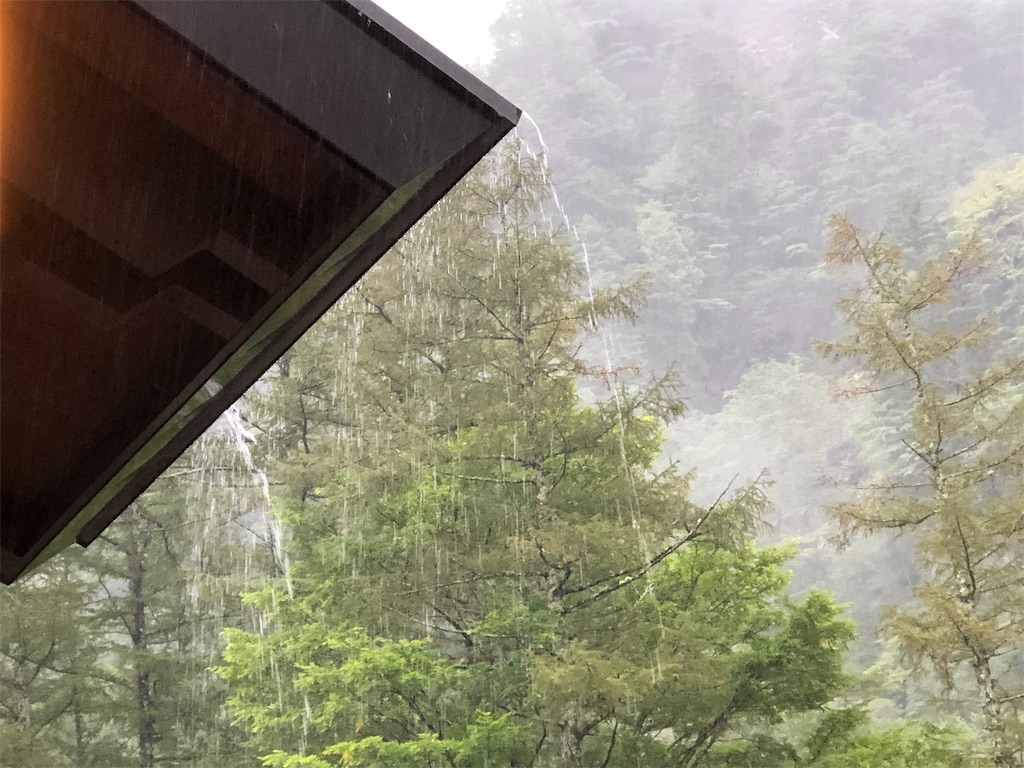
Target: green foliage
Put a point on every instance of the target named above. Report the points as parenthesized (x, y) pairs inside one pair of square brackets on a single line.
[(50, 666), (359, 701), (910, 745), (488, 571)]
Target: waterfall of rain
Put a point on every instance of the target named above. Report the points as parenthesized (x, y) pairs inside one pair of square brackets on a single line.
[(600, 330), (243, 437), (232, 544)]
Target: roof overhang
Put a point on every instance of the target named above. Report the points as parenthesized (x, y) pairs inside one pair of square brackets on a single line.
[(186, 187)]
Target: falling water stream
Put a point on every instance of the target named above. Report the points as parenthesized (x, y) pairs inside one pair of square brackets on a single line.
[(243, 436), (601, 331)]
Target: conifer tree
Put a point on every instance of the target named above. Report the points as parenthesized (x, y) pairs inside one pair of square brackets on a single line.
[(486, 568), (104, 652), (958, 488)]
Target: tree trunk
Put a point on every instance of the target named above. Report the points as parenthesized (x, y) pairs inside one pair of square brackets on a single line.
[(143, 694), (572, 729), (79, 733), (995, 725)]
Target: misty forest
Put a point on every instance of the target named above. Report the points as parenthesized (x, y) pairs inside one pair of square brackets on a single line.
[(688, 430)]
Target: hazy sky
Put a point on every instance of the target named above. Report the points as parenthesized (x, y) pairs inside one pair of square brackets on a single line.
[(459, 28)]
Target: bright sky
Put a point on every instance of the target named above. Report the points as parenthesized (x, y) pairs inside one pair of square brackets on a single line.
[(458, 28)]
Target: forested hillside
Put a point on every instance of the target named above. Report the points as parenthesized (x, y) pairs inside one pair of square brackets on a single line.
[(688, 430), (704, 145), (701, 147)]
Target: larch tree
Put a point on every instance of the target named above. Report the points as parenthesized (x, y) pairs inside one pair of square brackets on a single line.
[(960, 491)]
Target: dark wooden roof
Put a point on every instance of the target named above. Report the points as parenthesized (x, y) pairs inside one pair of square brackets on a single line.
[(186, 187)]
